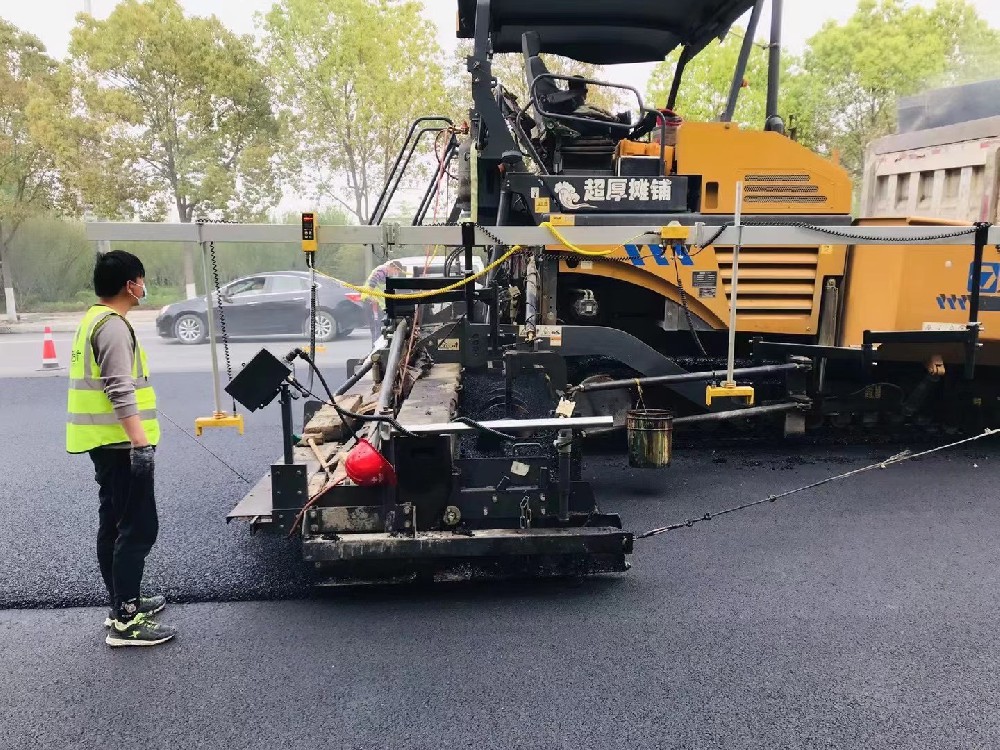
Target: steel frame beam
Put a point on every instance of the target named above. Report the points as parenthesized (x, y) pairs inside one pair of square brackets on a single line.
[(456, 428), (772, 236)]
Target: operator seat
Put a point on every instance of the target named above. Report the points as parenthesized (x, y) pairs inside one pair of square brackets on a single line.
[(553, 99)]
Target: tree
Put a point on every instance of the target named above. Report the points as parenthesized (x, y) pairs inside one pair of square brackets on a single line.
[(181, 108), (353, 75), (29, 178), (707, 79), (854, 73)]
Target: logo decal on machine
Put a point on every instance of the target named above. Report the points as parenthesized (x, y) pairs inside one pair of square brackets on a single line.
[(989, 287), (953, 301), (568, 197), (618, 189), (639, 254), (989, 280), (615, 194)]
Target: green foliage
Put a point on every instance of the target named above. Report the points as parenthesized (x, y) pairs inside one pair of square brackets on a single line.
[(51, 261), (706, 82), (842, 93), (351, 76), (177, 110), (29, 179), (853, 74)]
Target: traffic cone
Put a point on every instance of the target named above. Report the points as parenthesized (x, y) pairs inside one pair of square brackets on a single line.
[(49, 359)]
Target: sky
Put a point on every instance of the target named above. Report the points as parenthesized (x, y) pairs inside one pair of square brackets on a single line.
[(51, 20)]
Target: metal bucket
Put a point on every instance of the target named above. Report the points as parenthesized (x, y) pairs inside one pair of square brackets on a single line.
[(650, 438)]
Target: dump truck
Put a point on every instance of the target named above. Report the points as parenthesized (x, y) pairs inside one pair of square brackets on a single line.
[(944, 161)]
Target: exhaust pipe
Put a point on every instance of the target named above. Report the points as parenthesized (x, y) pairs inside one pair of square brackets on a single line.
[(773, 122)]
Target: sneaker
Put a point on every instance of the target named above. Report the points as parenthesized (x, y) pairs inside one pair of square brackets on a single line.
[(139, 631), (148, 605)]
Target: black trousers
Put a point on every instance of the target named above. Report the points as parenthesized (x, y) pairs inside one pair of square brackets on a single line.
[(373, 314), (128, 522)]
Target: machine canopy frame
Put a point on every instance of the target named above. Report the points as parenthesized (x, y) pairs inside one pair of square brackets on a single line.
[(604, 32)]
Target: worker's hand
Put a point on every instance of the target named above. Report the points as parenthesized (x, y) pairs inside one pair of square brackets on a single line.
[(142, 459)]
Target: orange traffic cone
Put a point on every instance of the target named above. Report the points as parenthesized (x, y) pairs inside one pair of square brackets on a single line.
[(49, 359)]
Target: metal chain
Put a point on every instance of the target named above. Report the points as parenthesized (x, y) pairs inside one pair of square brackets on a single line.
[(222, 312), (218, 299), (684, 303), (897, 459), (835, 233)]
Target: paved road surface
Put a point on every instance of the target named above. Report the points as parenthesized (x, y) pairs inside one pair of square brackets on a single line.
[(860, 615)]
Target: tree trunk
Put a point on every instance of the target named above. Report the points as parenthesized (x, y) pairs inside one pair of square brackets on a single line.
[(190, 290), (10, 304), (189, 285)]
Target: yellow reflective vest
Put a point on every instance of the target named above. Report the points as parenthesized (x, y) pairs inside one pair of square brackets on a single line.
[(91, 421)]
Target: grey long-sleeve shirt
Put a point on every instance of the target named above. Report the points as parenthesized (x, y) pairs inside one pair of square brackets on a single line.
[(114, 349)]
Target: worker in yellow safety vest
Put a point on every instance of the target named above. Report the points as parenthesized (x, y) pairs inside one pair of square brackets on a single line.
[(375, 305), (112, 417)]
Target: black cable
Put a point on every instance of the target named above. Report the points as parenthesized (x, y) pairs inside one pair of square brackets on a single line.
[(344, 413), (450, 260), (202, 446), (711, 240), (311, 264), (684, 303)]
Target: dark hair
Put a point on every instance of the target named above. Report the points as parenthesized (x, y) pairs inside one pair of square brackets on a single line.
[(114, 270)]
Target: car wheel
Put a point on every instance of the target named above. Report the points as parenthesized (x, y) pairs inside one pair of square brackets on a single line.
[(190, 329), (327, 328)]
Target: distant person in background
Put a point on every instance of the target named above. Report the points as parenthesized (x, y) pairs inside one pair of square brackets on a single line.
[(578, 85), (375, 305)]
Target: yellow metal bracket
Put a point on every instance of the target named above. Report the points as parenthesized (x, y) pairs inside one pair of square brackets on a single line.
[(218, 419), (674, 231), (320, 348), (729, 390), (562, 220)]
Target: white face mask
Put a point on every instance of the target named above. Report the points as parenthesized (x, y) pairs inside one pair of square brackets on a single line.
[(145, 293)]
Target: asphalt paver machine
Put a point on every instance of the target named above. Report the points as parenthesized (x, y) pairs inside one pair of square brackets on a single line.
[(626, 255)]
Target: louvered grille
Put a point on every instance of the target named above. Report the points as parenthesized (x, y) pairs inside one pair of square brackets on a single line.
[(771, 189), (774, 282)]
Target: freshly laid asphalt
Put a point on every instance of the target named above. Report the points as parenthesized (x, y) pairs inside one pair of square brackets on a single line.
[(861, 614)]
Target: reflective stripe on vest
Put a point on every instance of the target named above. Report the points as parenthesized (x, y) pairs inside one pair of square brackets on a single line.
[(91, 421)]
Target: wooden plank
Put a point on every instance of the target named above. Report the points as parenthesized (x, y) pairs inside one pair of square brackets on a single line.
[(326, 425), (433, 398)]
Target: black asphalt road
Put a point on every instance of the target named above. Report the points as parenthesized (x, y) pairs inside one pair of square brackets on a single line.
[(859, 615), (51, 500)]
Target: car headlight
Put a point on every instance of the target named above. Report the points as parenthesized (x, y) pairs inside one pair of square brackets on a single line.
[(163, 310)]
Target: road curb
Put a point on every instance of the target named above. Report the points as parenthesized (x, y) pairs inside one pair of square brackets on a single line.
[(60, 327), (62, 323)]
